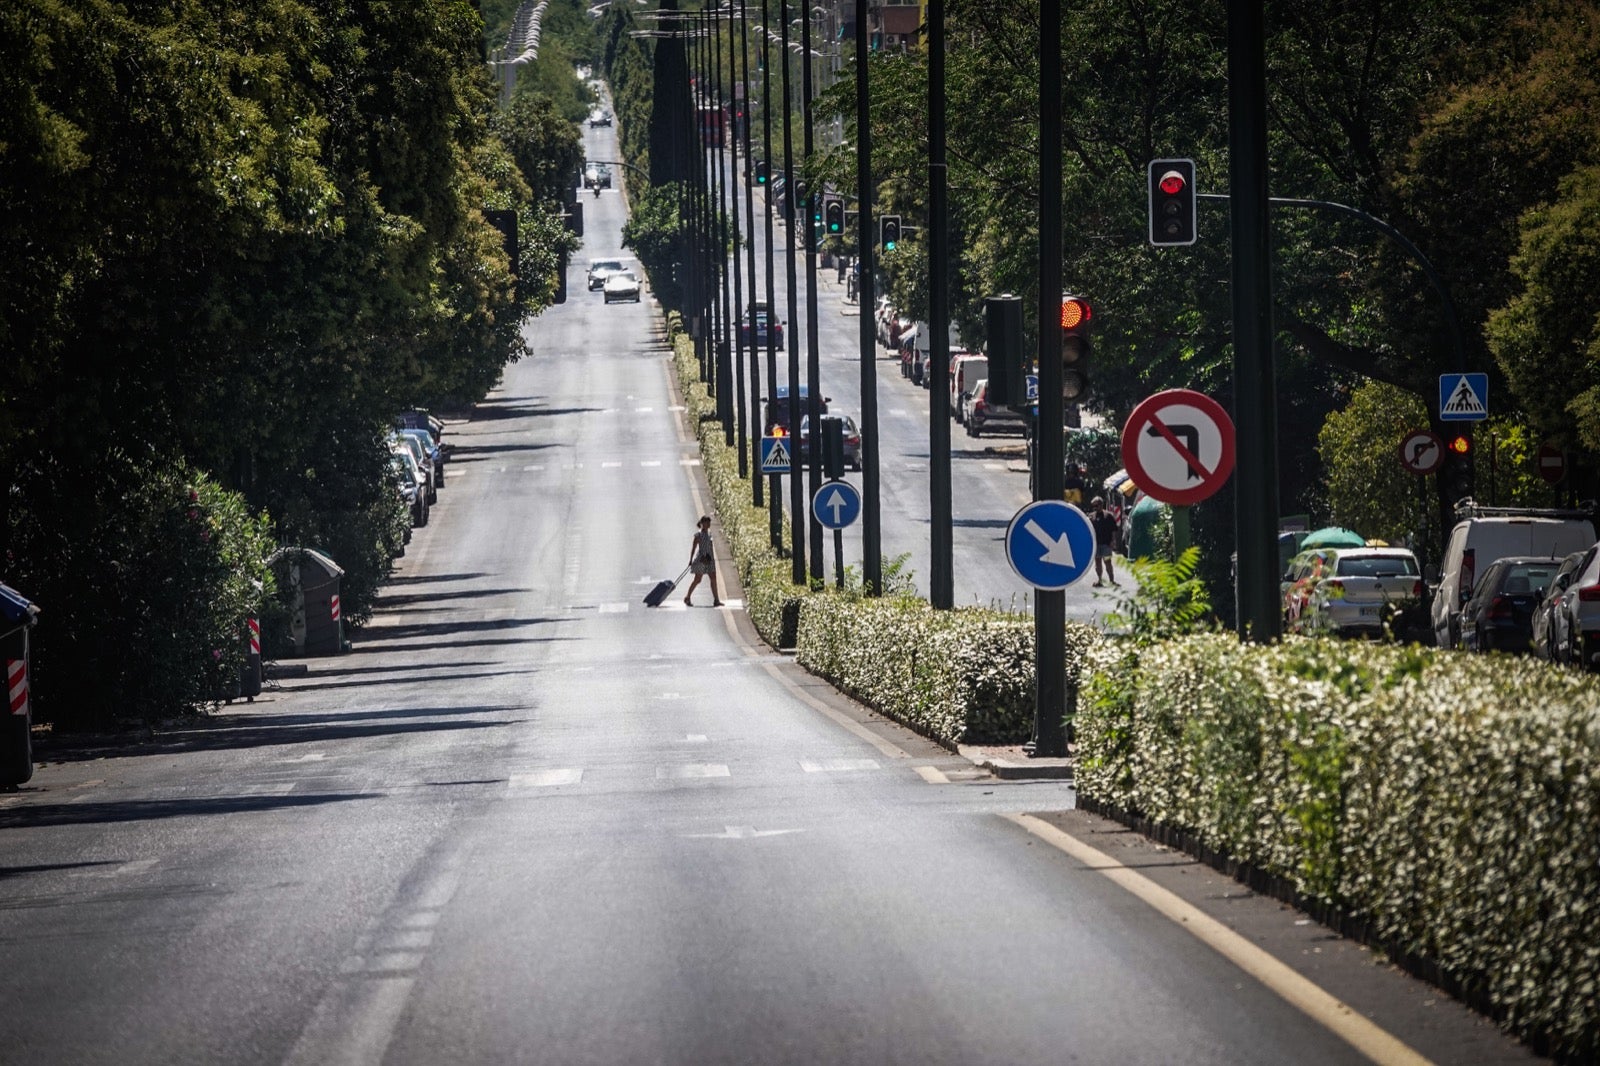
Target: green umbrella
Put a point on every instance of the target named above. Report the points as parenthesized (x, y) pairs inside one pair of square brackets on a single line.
[(1333, 537)]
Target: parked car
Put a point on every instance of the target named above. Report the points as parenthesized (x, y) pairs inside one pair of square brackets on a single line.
[(411, 475), (779, 414), (1552, 618), (434, 455), (623, 285), (852, 441), (1499, 616), (983, 417), (1485, 534), (757, 319), (420, 456), (601, 269), (1352, 591), (1580, 613), (599, 117), (966, 370)]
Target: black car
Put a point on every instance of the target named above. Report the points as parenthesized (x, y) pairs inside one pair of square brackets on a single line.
[(778, 411), (1499, 616)]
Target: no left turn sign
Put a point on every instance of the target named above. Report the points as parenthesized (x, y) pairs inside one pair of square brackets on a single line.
[(1178, 446), (1421, 451)]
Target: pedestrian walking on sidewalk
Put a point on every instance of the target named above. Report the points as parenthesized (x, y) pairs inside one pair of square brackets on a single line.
[(702, 563), (1105, 537)]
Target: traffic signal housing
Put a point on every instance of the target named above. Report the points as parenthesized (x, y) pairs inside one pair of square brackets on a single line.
[(1457, 472), (1008, 363), (1172, 203), (763, 172), (833, 210), (889, 232), (1075, 347)]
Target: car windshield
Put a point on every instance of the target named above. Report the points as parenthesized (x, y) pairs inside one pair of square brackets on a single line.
[(604, 264), (1523, 578), (1377, 566)]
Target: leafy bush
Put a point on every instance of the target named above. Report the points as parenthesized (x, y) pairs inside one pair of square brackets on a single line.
[(1450, 800), (145, 574)]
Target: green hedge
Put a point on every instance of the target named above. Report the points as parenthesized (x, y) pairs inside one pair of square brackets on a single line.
[(1453, 802)]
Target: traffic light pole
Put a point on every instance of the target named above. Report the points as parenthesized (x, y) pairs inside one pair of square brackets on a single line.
[(757, 496), (797, 488), (1050, 608), (941, 589), (871, 528), (1254, 379), (813, 353), (775, 486)]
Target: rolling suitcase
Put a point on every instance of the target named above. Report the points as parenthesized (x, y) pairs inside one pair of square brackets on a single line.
[(659, 593)]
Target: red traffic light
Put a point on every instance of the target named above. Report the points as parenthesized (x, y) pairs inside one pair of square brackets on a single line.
[(1172, 183), (1460, 444), (1075, 312)]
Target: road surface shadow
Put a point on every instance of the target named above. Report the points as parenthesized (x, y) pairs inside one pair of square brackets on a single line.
[(405, 599), (368, 682), (445, 627), (44, 814), (434, 579)]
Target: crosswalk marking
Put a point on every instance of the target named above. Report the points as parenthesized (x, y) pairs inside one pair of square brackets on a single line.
[(650, 462), (690, 771), (535, 466), (614, 608), (547, 778), (835, 766)]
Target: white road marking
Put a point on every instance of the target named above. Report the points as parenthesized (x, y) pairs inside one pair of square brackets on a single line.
[(547, 778), (643, 410), (898, 412), (916, 466), (275, 789), (688, 462), (1330, 1012), (535, 466), (670, 696), (312, 756), (691, 770), (932, 775), (650, 462), (609, 466), (834, 766), (614, 608), (677, 407), (697, 738), (995, 466), (742, 832)]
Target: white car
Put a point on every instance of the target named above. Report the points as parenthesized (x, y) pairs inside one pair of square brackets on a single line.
[(622, 286), (1580, 611), (601, 269)]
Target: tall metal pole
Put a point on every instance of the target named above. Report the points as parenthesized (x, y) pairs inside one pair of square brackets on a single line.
[(813, 359), (702, 304), (775, 505), (941, 589), (725, 341), (871, 528), (1255, 393), (797, 490), (1050, 608), (731, 187), (757, 496)]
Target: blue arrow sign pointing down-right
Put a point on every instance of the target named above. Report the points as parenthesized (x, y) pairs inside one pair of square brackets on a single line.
[(1050, 544)]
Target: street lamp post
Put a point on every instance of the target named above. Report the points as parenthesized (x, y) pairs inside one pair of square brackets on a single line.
[(797, 502), (871, 530), (756, 496)]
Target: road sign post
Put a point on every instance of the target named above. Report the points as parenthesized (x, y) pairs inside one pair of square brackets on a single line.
[(775, 458), (1463, 397), (1421, 451), (1552, 463), (836, 505), (1051, 545)]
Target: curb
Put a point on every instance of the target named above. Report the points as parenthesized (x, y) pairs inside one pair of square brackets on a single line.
[(1007, 768)]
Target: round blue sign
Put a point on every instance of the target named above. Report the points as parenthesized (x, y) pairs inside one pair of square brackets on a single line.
[(836, 505), (1050, 544)]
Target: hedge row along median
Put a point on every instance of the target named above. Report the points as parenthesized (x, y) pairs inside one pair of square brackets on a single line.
[(1451, 801)]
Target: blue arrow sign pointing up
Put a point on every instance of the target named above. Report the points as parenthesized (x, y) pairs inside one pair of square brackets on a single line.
[(836, 505)]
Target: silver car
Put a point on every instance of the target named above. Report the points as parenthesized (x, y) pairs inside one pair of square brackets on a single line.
[(622, 286)]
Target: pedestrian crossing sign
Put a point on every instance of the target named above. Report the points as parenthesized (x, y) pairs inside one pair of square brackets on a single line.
[(774, 455), (1463, 397)]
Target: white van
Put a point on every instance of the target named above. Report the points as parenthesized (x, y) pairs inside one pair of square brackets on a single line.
[(966, 370), (1485, 534)]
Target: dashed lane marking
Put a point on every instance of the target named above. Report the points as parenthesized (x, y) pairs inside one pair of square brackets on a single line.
[(691, 771), (547, 778), (837, 766)]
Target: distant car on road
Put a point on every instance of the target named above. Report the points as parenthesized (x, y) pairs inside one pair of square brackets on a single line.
[(599, 117), (982, 417), (622, 286), (760, 317), (852, 441), (601, 269), (779, 413)]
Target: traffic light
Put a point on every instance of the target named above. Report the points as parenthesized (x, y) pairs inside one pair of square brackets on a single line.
[(762, 172), (889, 232), (1457, 472), (1075, 347), (1172, 203), (834, 210), (1008, 364)]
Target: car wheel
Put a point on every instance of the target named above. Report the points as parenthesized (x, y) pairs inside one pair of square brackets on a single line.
[(973, 431)]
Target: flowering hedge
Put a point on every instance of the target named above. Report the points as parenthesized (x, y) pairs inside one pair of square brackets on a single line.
[(1451, 801)]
